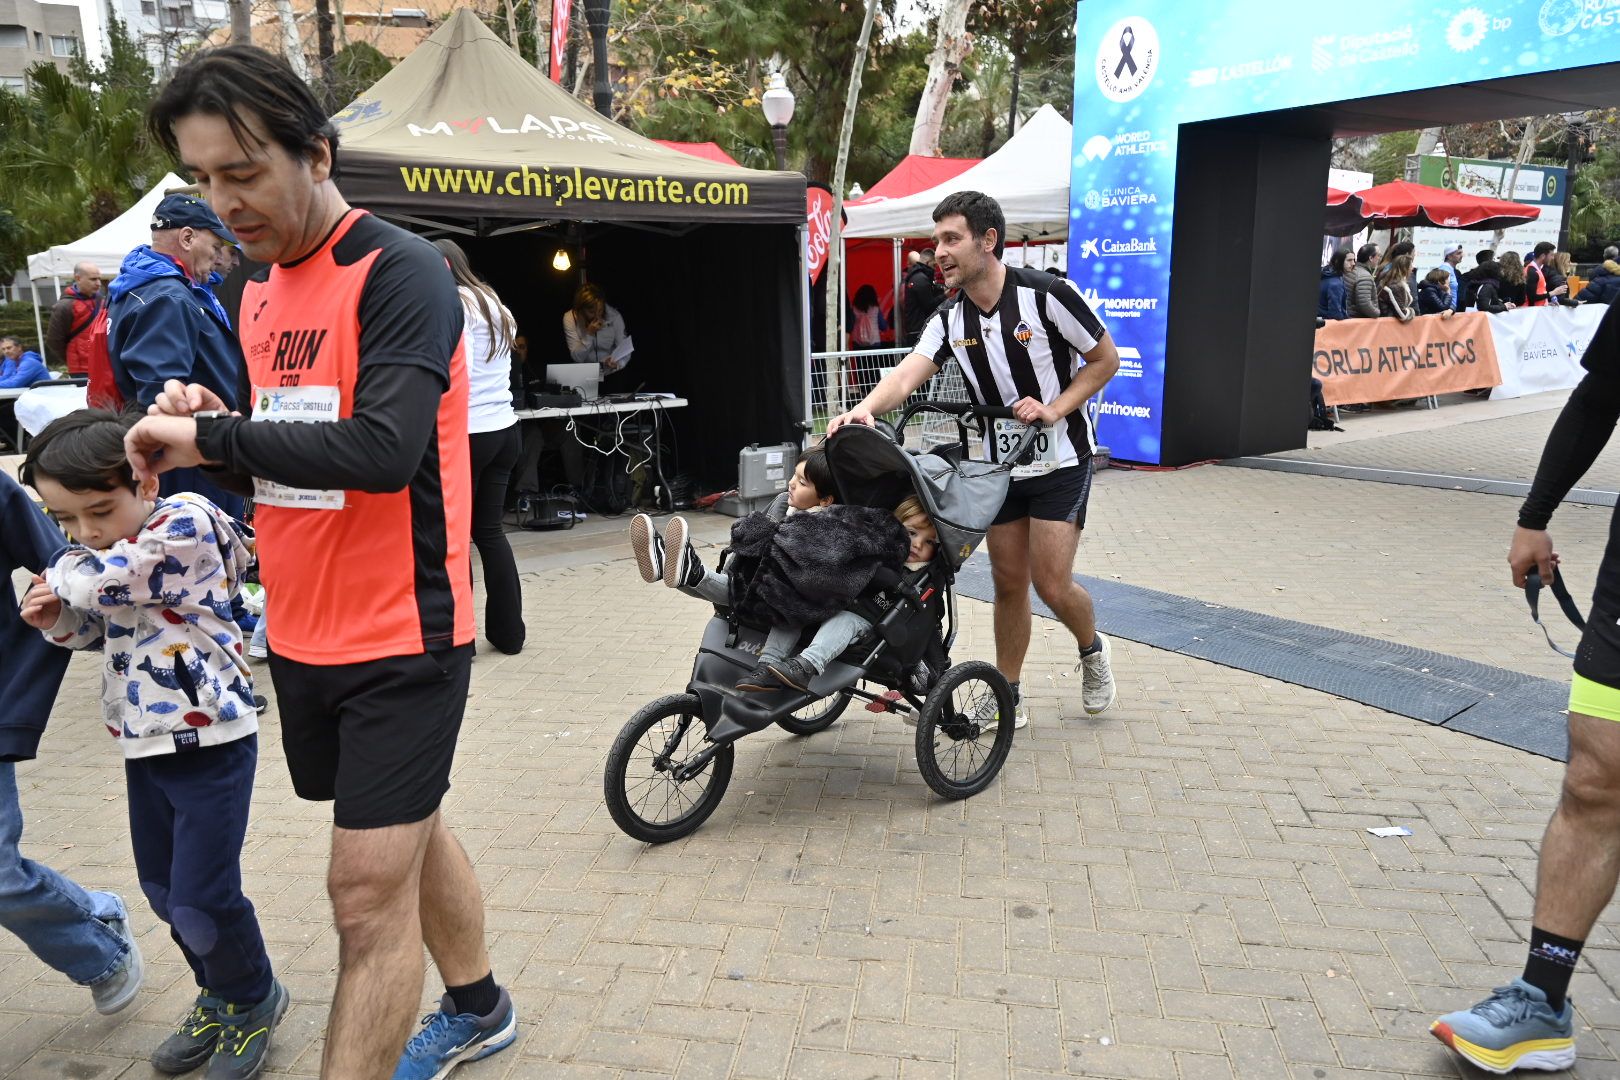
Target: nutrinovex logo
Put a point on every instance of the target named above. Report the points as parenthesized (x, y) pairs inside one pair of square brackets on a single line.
[(1114, 408)]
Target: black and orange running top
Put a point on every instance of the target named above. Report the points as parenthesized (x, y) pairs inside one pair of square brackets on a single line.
[(364, 500)]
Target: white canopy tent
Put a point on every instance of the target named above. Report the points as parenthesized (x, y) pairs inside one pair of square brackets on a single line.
[(1028, 176), (106, 247)]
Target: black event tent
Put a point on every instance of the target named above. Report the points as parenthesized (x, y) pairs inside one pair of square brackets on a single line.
[(464, 138)]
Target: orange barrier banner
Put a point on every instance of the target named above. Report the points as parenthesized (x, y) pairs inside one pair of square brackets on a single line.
[(1360, 360)]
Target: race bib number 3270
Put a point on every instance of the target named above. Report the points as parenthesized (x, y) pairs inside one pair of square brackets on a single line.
[(1008, 434)]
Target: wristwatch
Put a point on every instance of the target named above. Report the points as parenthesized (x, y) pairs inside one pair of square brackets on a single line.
[(205, 422)]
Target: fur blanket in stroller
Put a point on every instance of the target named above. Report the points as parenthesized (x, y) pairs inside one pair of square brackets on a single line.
[(803, 569)]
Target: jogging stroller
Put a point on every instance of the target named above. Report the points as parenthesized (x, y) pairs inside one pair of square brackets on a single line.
[(670, 764)]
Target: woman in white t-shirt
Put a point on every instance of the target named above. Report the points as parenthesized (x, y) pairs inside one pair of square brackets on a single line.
[(492, 432)]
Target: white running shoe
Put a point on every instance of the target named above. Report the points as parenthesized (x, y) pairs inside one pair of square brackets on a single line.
[(649, 548), (1097, 691)]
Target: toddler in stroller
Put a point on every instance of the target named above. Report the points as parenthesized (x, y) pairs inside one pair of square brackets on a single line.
[(799, 575), (672, 761)]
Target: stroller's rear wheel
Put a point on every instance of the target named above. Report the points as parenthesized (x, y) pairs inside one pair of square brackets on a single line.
[(966, 730), (645, 795), (818, 715)]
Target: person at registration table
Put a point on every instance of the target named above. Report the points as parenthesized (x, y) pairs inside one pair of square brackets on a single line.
[(1019, 336), (364, 522), (1530, 1022)]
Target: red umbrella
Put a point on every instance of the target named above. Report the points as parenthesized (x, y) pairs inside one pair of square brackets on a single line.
[(1404, 205), (1337, 197)]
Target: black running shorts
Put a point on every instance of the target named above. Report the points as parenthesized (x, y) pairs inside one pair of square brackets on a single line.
[(375, 738), (1059, 495)]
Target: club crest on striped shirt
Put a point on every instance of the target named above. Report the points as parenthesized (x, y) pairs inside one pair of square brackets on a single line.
[(1023, 333)]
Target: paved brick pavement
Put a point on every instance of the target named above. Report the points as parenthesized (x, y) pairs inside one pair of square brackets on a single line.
[(1506, 448), (1180, 888)]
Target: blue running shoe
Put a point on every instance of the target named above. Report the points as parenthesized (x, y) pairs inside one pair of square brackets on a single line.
[(1512, 1029), (447, 1040)]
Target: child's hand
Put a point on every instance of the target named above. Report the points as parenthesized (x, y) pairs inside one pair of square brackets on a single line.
[(40, 607)]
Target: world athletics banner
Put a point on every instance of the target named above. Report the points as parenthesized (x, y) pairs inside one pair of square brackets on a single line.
[(1145, 67)]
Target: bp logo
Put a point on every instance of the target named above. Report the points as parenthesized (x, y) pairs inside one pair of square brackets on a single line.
[(1127, 58), (1023, 333)]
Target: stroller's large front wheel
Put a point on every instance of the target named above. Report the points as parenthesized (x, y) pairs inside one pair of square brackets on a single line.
[(653, 791), (966, 730)]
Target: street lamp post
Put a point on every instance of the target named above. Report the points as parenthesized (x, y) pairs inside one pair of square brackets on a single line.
[(778, 106), (596, 17)]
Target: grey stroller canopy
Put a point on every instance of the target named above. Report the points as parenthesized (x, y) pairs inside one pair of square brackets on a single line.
[(963, 497)]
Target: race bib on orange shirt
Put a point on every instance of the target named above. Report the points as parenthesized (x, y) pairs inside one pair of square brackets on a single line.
[(296, 405)]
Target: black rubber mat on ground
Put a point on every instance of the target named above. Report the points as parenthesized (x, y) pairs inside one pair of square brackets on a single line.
[(1483, 485), (1489, 702)]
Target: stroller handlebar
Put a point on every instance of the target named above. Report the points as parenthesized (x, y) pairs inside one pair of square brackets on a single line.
[(962, 411)]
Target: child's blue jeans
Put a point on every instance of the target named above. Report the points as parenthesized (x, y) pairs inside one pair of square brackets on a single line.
[(60, 922), (832, 637)]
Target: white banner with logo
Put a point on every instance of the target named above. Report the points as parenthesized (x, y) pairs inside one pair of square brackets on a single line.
[(1540, 348)]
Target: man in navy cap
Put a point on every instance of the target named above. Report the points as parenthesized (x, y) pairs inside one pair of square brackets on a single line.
[(163, 323)]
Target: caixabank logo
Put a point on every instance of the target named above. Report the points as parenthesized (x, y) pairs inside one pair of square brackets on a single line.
[(1105, 246)]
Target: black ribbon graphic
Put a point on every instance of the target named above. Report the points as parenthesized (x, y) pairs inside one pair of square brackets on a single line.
[(1127, 41)]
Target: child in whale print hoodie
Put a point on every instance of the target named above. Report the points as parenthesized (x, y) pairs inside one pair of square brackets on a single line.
[(149, 582), (159, 605)]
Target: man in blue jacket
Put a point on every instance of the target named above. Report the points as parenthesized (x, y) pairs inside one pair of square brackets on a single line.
[(18, 366), (84, 935), (163, 323)]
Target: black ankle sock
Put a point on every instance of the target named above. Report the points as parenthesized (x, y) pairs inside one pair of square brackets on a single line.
[(479, 998), (1094, 647), (1550, 964), (1018, 695)]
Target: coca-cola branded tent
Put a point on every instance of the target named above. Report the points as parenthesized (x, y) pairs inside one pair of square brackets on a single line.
[(704, 259)]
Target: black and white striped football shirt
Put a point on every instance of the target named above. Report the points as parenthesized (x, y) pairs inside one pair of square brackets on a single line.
[(1029, 346)]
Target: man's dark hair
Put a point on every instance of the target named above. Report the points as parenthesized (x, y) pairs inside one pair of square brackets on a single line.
[(1485, 255), (1366, 253), (236, 79), (818, 472), (10, 337), (981, 212), (82, 451), (1544, 248)]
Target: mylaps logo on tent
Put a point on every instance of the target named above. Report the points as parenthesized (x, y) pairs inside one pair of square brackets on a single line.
[(1023, 333), (1127, 58), (560, 127), (1098, 247)]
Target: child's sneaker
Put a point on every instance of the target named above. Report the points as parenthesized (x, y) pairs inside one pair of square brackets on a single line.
[(118, 989), (193, 1041), (1512, 1029), (757, 681), (681, 563), (649, 548), (447, 1040), (794, 673), (244, 1038)]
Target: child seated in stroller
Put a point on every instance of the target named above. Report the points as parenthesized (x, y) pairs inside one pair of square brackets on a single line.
[(788, 573)]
